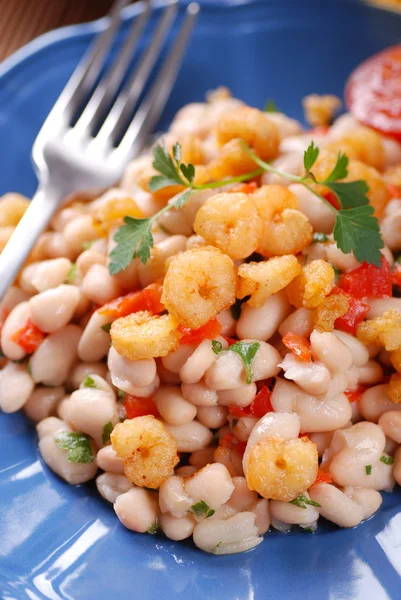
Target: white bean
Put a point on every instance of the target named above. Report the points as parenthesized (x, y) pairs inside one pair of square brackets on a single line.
[(199, 394), (42, 402), (108, 460), (374, 402), (90, 410), (197, 364), (16, 320), (154, 268), (230, 459), (290, 162), (50, 273), (137, 509), (227, 322), (81, 370), (56, 459), (212, 484), (300, 322), (236, 534), (242, 396), (340, 260), (54, 246), (16, 385), (173, 497), (166, 377), (172, 405), (177, 359), (360, 354), (265, 362), (336, 506), (52, 361), (127, 374), (320, 216), (87, 259), (390, 422), (53, 309), (331, 351), (146, 390), (191, 436), (95, 342), (390, 228), (322, 439), (63, 217), (295, 515), (261, 510), (111, 485), (370, 374), (99, 383), (13, 296), (369, 500), (313, 377), (49, 426), (77, 232), (243, 427), (284, 425), (177, 529), (262, 323), (201, 458), (99, 286), (212, 416), (379, 305), (242, 497), (226, 373)]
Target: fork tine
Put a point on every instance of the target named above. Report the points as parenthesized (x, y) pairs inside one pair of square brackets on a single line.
[(106, 88), (85, 75), (152, 106), (127, 100)]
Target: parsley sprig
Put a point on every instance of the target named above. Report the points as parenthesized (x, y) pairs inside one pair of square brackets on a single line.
[(134, 238), (78, 446), (356, 228)]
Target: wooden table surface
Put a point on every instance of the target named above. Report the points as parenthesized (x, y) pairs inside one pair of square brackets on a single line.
[(23, 20)]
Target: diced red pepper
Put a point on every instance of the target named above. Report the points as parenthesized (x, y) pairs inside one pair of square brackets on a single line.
[(239, 448), (147, 299), (354, 395), (262, 403), (322, 477), (355, 314), (298, 345), (28, 337), (368, 281), (331, 198), (245, 188), (394, 190), (396, 275), (239, 411), (209, 330), (229, 441), (139, 407)]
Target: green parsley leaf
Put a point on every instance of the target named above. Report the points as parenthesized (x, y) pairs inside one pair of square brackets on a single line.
[(387, 460), (181, 199), (218, 545), (340, 168), (106, 327), (302, 500), (217, 347), (307, 529), (358, 230), (107, 429), (177, 151), (351, 194), (189, 172), (164, 164), (247, 351), (89, 382), (337, 272), (368, 469), (72, 273), (134, 238), (87, 245), (310, 156), (319, 237), (202, 509), (270, 106), (120, 394), (78, 446), (153, 529)]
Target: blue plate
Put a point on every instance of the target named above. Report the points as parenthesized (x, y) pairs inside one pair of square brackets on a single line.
[(62, 542)]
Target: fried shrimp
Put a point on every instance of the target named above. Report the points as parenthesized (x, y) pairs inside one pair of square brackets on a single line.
[(282, 469), (199, 283), (231, 222), (141, 335), (149, 451)]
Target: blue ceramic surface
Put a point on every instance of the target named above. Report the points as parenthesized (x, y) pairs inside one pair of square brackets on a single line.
[(63, 542)]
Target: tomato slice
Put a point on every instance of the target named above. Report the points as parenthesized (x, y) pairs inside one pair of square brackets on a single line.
[(139, 407), (28, 337), (322, 477), (373, 92), (146, 299), (368, 281), (298, 345)]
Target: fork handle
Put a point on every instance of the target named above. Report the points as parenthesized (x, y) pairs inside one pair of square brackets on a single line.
[(35, 220)]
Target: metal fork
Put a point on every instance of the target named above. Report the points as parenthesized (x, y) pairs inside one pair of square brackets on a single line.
[(71, 158)]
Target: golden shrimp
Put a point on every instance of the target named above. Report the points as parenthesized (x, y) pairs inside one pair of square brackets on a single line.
[(394, 388), (112, 212), (361, 144), (12, 209), (320, 110), (332, 307), (261, 280), (230, 221), (385, 329), (141, 335), (311, 287), (282, 469), (199, 283), (285, 229), (149, 451)]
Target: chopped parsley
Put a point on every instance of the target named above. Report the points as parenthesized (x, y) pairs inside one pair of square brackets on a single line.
[(72, 273), (153, 529), (302, 500), (87, 245), (217, 347), (368, 469), (247, 351), (202, 509), (387, 460), (107, 429), (106, 327), (78, 446), (120, 394), (89, 382), (319, 237)]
